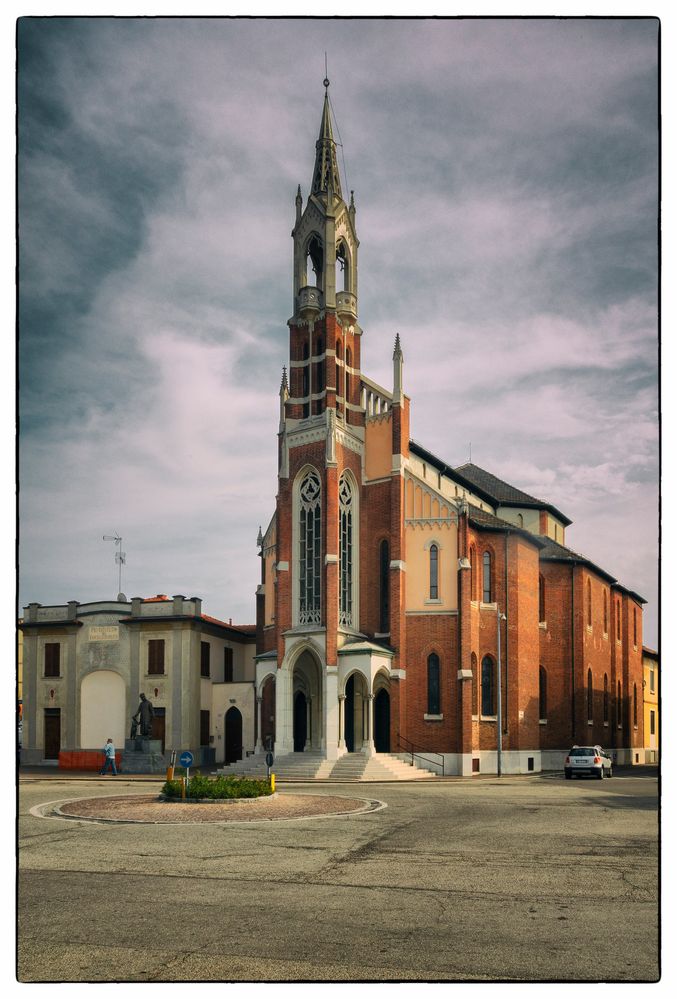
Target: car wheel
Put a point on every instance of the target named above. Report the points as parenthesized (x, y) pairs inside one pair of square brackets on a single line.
[(567, 774), (600, 775), (611, 772)]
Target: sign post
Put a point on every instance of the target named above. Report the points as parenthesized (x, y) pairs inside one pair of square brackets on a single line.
[(186, 760)]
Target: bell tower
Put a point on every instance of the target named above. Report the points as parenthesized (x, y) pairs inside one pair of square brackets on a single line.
[(324, 342)]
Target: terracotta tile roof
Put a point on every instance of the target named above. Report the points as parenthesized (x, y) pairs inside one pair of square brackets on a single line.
[(156, 599), (246, 629)]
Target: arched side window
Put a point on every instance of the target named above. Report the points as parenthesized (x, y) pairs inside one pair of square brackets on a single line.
[(589, 593), (384, 587), (541, 601), (542, 694), (618, 620), (634, 626), (305, 384), (473, 667), (434, 572), (486, 578), (349, 361), (605, 703), (346, 516), (606, 614), (310, 540), (520, 520), (619, 705), (589, 695), (473, 573), (488, 686), (634, 705), (434, 684)]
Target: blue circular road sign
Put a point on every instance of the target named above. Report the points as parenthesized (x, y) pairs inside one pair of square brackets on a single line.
[(186, 759)]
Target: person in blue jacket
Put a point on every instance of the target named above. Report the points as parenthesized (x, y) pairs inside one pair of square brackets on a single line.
[(109, 753)]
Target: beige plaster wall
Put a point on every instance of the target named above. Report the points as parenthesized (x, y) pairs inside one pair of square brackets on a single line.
[(418, 541), (378, 447)]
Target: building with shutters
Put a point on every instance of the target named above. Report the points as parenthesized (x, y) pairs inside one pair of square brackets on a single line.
[(85, 665), (392, 582), (651, 698)]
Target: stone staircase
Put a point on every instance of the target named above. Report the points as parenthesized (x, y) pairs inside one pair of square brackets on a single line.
[(313, 765)]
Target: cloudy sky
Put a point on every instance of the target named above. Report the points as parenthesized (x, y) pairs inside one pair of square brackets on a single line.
[(505, 181)]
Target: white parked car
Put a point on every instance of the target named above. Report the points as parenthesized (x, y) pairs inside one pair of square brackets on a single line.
[(590, 760)]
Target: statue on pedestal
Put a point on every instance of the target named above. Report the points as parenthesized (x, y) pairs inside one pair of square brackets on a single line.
[(144, 716)]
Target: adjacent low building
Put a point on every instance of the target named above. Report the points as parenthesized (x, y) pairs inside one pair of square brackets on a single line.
[(85, 665), (650, 683)]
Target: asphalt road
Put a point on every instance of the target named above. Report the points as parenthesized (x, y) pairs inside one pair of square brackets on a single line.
[(527, 878)]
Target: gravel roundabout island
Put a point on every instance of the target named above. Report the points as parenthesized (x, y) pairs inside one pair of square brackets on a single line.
[(152, 809)]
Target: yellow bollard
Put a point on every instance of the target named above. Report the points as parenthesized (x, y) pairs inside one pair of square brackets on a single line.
[(272, 782), (170, 773)]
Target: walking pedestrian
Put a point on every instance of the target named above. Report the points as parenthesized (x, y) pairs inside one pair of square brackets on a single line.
[(109, 754)]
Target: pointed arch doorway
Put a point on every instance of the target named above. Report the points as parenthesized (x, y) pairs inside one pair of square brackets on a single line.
[(233, 724), (382, 721)]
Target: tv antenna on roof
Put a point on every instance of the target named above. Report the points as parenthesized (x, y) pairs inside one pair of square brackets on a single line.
[(120, 557)]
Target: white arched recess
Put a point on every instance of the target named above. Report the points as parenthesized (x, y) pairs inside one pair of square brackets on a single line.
[(373, 664), (303, 669), (102, 709)]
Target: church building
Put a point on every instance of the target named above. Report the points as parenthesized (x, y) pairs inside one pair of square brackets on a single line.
[(405, 605)]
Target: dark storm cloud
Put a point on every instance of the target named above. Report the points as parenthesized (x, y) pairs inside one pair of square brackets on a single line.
[(505, 182)]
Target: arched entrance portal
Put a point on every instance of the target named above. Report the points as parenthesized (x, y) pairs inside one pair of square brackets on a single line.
[(355, 708), (233, 723), (300, 721), (382, 721), (102, 709), (306, 703), (268, 713)]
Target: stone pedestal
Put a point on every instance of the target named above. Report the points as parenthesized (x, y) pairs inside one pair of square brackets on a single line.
[(144, 756)]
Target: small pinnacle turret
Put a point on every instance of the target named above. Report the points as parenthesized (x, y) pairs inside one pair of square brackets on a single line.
[(398, 361)]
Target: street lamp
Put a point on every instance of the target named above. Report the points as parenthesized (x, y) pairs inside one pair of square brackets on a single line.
[(499, 740)]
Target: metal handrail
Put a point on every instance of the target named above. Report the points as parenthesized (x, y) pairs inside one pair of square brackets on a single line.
[(419, 752)]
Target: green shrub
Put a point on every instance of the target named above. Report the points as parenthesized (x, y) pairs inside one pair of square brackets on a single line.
[(218, 787)]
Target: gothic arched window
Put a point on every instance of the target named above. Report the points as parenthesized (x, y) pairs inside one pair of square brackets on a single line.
[(433, 684), (434, 572), (346, 513), (384, 587), (473, 668), (542, 693), (619, 705), (488, 687), (541, 603), (310, 540), (605, 703), (486, 578)]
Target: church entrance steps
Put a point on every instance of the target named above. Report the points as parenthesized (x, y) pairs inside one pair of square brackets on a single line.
[(314, 766)]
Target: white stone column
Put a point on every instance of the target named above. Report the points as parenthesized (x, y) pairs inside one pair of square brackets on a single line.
[(342, 723), (369, 748), (284, 713), (331, 715), (259, 741)]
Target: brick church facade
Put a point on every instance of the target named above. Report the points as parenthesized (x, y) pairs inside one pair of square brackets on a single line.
[(395, 589)]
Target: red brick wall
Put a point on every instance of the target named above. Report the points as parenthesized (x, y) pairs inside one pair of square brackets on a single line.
[(426, 634), (555, 654)]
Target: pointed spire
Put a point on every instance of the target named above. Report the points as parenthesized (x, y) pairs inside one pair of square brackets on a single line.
[(326, 167), (284, 387), (259, 539), (398, 361), (299, 205)]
